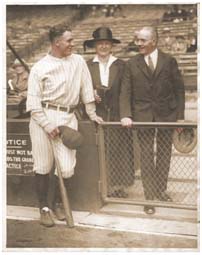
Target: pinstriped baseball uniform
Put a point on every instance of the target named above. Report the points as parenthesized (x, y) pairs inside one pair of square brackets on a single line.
[(59, 81)]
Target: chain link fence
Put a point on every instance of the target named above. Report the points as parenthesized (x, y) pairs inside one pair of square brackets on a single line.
[(139, 163)]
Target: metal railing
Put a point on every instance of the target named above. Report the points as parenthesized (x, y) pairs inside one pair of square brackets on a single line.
[(140, 162)]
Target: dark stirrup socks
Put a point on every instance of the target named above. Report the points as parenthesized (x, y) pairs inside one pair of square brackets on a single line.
[(42, 183)]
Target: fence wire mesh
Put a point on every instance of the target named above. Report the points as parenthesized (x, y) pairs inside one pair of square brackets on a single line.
[(141, 163)]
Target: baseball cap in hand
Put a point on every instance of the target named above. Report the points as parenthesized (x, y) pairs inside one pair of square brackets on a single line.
[(71, 138)]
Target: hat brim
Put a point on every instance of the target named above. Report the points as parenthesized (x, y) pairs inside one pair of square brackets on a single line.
[(185, 141), (91, 43)]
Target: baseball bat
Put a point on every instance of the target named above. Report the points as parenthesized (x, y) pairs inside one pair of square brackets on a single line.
[(64, 196), (17, 56)]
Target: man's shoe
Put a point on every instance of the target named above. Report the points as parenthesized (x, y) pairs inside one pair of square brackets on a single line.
[(149, 209), (163, 196), (45, 217), (59, 211)]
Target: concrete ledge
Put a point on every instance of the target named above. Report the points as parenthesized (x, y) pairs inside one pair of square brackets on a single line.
[(117, 223), (162, 213)]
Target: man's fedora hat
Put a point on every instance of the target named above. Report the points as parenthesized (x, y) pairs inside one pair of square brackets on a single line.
[(186, 140), (71, 138), (101, 33)]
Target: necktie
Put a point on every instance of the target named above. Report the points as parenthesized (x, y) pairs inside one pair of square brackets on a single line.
[(150, 64)]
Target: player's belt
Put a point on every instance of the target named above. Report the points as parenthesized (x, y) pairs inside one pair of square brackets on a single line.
[(57, 107)]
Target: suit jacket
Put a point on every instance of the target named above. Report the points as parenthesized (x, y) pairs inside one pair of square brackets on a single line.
[(149, 97), (108, 109)]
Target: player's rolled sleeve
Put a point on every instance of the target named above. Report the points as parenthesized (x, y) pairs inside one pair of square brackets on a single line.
[(87, 94), (34, 92), (34, 102), (40, 117), (91, 110)]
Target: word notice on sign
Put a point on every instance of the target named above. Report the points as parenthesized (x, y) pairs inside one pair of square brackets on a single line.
[(19, 154)]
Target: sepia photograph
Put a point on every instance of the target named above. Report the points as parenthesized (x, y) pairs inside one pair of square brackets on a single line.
[(100, 126)]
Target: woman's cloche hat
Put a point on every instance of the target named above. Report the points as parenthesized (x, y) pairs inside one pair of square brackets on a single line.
[(101, 33)]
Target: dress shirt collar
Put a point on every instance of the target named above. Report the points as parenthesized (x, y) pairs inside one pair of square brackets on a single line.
[(110, 60), (154, 57)]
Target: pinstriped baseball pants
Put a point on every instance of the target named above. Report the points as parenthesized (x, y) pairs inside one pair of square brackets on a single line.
[(44, 149)]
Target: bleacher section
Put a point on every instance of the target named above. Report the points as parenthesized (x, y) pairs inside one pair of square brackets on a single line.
[(30, 40), (27, 28)]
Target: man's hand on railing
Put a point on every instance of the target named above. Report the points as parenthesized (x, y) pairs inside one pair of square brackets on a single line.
[(126, 122), (97, 119)]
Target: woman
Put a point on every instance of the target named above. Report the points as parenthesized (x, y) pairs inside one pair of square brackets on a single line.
[(106, 72)]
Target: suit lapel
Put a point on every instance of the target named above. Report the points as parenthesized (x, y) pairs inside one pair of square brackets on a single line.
[(143, 66), (113, 71), (160, 63), (95, 73)]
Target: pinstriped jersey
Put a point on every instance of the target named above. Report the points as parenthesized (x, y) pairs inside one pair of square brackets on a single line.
[(60, 81)]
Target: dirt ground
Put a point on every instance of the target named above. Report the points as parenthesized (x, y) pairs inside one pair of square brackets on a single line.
[(30, 234)]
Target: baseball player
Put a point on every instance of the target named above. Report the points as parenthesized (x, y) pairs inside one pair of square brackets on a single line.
[(55, 85)]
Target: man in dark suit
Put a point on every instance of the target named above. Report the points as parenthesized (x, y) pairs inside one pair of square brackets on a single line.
[(152, 89)]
